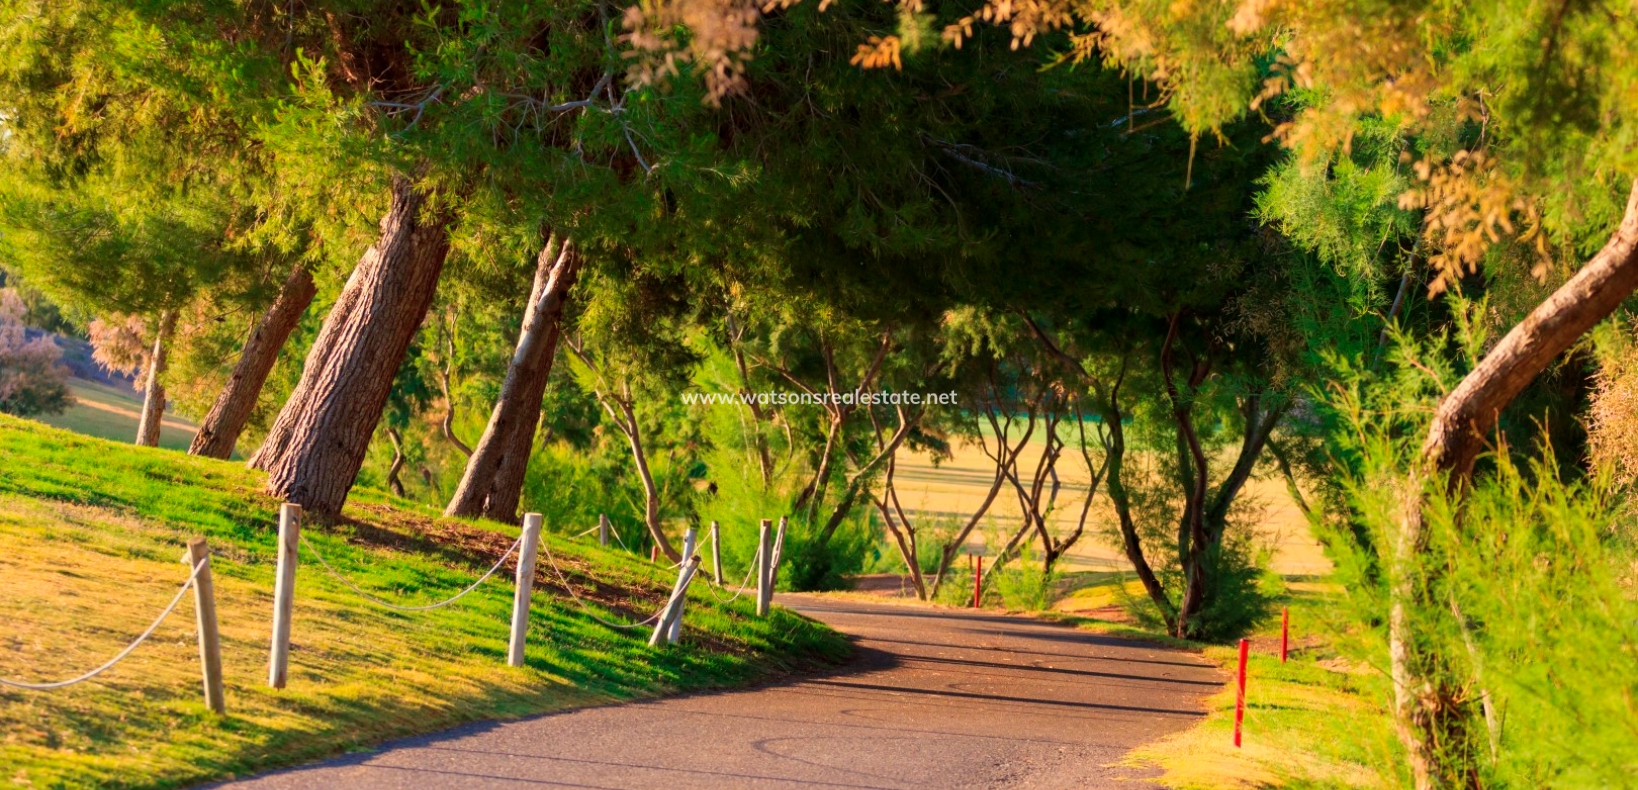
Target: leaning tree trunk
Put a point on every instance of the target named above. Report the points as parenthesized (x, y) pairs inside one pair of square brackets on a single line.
[(221, 427), (153, 400), (493, 481), (506, 492), (1429, 696), (317, 445)]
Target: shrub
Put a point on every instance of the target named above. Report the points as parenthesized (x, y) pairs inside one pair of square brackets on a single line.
[(31, 381)]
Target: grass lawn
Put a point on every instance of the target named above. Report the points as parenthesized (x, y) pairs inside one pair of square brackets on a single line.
[(93, 531), (1316, 721), (114, 414)]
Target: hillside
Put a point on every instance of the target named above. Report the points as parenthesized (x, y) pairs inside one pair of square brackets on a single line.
[(94, 529)]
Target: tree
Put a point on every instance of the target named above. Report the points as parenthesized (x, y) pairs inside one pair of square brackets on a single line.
[(31, 380), (493, 479), (219, 430), (315, 448)]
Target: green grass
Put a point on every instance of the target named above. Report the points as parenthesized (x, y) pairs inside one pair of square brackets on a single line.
[(110, 413), (93, 531), (1316, 721)]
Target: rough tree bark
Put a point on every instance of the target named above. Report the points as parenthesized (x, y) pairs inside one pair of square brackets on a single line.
[(226, 419), (492, 483), (317, 444), (1429, 698), (153, 399)]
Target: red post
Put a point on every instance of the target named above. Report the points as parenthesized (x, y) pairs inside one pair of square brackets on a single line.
[(653, 553), (1285, 632), (1240, 698), (978, 583)]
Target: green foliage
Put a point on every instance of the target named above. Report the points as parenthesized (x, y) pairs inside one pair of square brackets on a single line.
[(1525, 578), (1023, 586), (31, 381)]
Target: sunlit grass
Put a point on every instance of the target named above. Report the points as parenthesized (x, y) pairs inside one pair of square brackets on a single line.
[(93, 533), (109, 413)]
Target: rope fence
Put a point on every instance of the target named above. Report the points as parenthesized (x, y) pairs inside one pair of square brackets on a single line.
[(667, 622), (564, 581), (171, 607), (311, 549)]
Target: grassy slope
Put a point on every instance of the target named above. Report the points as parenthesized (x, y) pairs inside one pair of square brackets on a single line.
[(1316, 721), (112, 413), (93, 531)]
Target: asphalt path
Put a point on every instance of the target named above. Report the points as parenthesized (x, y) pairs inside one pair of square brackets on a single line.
[(934, 698)]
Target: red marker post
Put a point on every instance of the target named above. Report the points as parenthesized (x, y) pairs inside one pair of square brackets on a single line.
[(978, 582), (1285, 632), (653, 553), (1240, 698)]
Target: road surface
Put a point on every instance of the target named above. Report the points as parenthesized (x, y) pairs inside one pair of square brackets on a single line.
[(934, 698)]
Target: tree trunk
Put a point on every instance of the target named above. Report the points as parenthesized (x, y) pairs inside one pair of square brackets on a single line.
[(1115, 483), (651, 492), (317, 445), (493, 481), (851, 493), (393, 482), (153, 400), (506, 492), (228, 415), (764, 456), (1429, 693)]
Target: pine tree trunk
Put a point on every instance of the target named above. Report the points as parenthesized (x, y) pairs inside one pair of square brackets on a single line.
[(153, 400), (221, 427), (1429, 694), (506, 492), (318, 443), (493, 481)]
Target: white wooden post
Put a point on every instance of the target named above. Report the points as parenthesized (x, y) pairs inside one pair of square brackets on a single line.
[(603, 529), (528, 550), (672, 610), (284, 593), (716, 553), (778, 554), (210, 639), (764, 580), (689, 539)]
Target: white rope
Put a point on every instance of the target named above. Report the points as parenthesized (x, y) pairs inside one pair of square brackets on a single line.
[(123, 653), (390, 605), (589, 531), (551, 560), (742, 585), (618, 538)]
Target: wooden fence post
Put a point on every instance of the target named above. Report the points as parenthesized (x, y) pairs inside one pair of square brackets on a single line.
[(716, 553), (528, 550), (284, 593), (603, 530), (764, 555), (210, 639), (778, 554), (673, 605), (689, 539)]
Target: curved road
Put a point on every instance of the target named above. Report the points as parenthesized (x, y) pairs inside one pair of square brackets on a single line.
[(934, 698)]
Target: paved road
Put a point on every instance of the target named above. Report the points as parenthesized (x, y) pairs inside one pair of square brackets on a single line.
[(934, 699)]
